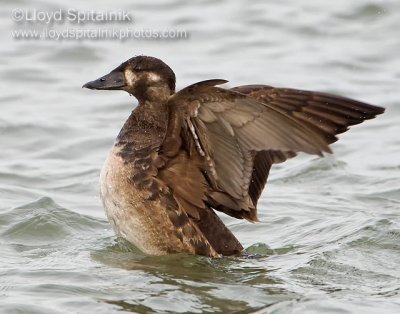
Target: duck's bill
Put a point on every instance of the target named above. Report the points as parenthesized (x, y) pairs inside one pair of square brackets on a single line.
[(114, 80)]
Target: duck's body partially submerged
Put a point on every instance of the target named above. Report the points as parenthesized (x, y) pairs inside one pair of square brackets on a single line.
[(180, 156)]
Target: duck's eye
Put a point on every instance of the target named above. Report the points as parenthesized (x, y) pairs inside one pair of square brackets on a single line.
[(102, 79), (138, 69)]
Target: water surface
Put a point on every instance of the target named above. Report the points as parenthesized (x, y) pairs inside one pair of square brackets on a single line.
[(329, 240)]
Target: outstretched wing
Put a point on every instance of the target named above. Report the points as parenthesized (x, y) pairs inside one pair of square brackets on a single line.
[(240, 133), (329, 114)]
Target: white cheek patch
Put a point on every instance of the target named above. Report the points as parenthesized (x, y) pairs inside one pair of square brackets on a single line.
[(153, 77), (130, 77)]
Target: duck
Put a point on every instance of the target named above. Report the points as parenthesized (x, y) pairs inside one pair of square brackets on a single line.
[(182, 156)]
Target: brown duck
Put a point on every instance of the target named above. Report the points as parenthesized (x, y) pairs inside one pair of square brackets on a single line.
[(182, 155)]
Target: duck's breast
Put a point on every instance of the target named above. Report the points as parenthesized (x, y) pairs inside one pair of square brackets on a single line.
[(134, 216)]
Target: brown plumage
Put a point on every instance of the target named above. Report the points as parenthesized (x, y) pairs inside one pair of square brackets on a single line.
[(180, 156)]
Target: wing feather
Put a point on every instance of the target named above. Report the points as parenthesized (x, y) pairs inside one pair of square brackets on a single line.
[(240, 133), (325, 114)]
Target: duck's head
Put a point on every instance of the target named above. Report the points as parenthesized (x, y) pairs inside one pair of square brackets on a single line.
[(140, 76)]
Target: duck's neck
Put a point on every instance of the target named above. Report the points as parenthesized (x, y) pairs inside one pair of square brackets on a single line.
[(152, 95), (150, 116), (150, 113)]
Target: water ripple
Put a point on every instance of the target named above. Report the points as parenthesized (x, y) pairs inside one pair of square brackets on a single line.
[(328, 240), (43, 222)]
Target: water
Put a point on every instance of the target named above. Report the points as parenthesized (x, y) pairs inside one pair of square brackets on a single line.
[(329, 240)]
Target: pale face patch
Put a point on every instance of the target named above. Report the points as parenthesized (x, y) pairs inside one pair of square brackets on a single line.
[(130, 77), (153, 77)]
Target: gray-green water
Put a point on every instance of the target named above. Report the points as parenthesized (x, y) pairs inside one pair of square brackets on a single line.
[(329, 240)]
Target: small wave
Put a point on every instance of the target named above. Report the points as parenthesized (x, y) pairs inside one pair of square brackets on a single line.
[(368, 11), (329, 164), (263, 250), (44, 222), (354, 261)]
